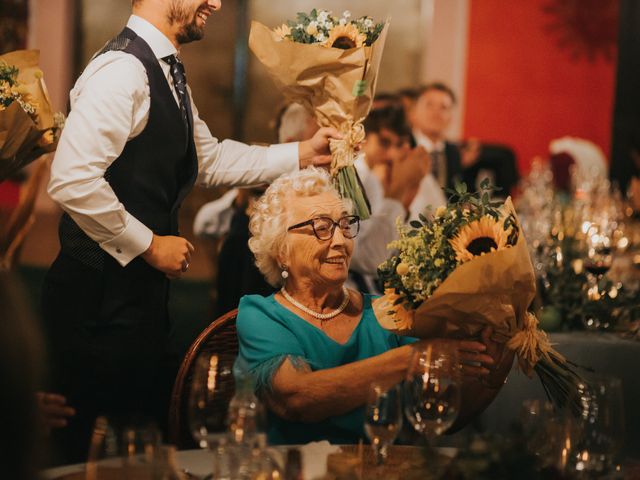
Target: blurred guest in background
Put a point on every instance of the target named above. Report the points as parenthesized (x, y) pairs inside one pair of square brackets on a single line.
[(432, 116), (21, 369)]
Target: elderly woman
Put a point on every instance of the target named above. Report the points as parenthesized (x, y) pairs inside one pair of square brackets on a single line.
[(316, 346)]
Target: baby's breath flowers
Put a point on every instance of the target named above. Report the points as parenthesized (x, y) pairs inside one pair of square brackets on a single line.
[(12, 91)]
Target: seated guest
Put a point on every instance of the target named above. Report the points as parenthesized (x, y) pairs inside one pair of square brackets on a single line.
[(315, 346)]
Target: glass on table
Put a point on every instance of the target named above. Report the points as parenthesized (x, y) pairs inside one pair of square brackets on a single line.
[(383, 418), (598, 259), (599, 414), (432, 389), (121, 449)]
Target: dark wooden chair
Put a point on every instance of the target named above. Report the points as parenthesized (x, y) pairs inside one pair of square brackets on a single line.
[(219, 337)]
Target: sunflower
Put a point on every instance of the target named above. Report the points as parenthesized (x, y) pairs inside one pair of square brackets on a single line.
[(283, 31), (345, 37), (479, 237)]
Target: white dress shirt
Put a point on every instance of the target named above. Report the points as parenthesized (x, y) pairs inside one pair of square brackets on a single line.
[(110, 106), (429, 192)]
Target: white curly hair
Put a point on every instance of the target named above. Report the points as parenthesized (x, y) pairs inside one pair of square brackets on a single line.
[(269, 217)]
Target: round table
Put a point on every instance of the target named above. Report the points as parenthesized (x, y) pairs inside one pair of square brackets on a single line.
[(606, 353)]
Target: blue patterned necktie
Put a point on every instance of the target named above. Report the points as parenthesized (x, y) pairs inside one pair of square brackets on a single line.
[(180, 84)]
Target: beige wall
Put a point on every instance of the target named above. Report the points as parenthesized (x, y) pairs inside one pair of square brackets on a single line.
[(51, 28)]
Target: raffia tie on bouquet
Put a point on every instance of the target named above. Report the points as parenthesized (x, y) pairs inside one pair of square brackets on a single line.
[(343, 151), (531, 344)]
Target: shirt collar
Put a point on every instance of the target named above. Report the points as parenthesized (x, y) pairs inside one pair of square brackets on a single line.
[(157, 41), (428, 144)]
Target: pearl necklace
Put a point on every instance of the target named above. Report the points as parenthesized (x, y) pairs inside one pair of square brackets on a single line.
[(319, 316)]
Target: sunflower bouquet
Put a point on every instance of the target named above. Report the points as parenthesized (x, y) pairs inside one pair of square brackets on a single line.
[(466, 268), (330, 66), (28, 127)]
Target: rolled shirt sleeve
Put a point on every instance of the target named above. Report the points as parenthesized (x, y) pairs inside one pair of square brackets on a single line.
[(232, 163)]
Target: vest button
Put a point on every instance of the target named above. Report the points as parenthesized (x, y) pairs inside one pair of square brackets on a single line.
[(119, 250)]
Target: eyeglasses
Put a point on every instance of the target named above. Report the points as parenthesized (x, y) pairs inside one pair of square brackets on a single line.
[(324, 227)]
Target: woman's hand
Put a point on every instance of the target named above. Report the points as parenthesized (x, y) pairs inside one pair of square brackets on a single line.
[(472, 355), (502, 359)]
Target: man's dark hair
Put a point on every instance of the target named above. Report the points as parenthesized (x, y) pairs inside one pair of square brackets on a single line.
[(441, 87), (411, 92), (390, 118)]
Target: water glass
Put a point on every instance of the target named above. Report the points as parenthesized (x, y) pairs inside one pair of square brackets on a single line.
[(383, 418)]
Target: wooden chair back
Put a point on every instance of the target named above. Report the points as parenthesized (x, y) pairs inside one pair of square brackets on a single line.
[(219, 337)]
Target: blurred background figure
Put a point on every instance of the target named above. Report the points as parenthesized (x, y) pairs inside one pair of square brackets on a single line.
[(431, 110), (589, 160), (27, 415)]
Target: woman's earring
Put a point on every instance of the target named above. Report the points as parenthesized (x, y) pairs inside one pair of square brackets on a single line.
[(284, 273)]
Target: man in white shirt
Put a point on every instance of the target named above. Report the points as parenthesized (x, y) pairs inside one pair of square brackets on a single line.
[(132, 148)]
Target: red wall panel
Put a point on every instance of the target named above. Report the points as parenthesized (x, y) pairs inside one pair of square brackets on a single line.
[(522, 89)]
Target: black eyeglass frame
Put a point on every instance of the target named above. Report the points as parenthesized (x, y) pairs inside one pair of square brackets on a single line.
[(334, 224)]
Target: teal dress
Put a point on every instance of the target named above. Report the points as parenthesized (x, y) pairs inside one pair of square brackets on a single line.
[(269, 333)]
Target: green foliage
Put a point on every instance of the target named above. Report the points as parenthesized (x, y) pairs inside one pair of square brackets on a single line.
[(565, 287), (425, 245)]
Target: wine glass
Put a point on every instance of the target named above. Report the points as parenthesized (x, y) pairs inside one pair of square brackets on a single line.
[(207, 408), (598, 261), (600, 413), (432, 389), (383, 418)]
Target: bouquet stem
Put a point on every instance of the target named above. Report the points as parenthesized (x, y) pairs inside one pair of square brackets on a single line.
[(348, 184)]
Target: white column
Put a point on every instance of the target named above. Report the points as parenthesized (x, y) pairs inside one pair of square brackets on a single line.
[(446, 30)]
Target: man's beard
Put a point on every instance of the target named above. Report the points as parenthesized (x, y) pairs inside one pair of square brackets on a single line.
[(189, 30)]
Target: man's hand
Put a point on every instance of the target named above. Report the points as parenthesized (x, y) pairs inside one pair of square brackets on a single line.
[(171, 255), (315, 151), (470, 152), (54, 410)]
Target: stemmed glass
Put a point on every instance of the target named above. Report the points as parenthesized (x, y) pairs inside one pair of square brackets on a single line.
[(432, 389), (383, 418), (598, 261)]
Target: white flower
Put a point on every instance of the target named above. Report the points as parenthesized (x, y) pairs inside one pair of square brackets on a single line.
[(322, 16), (343, 21), (321, 37), (346, 14), (312, 28), (368, 23)]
